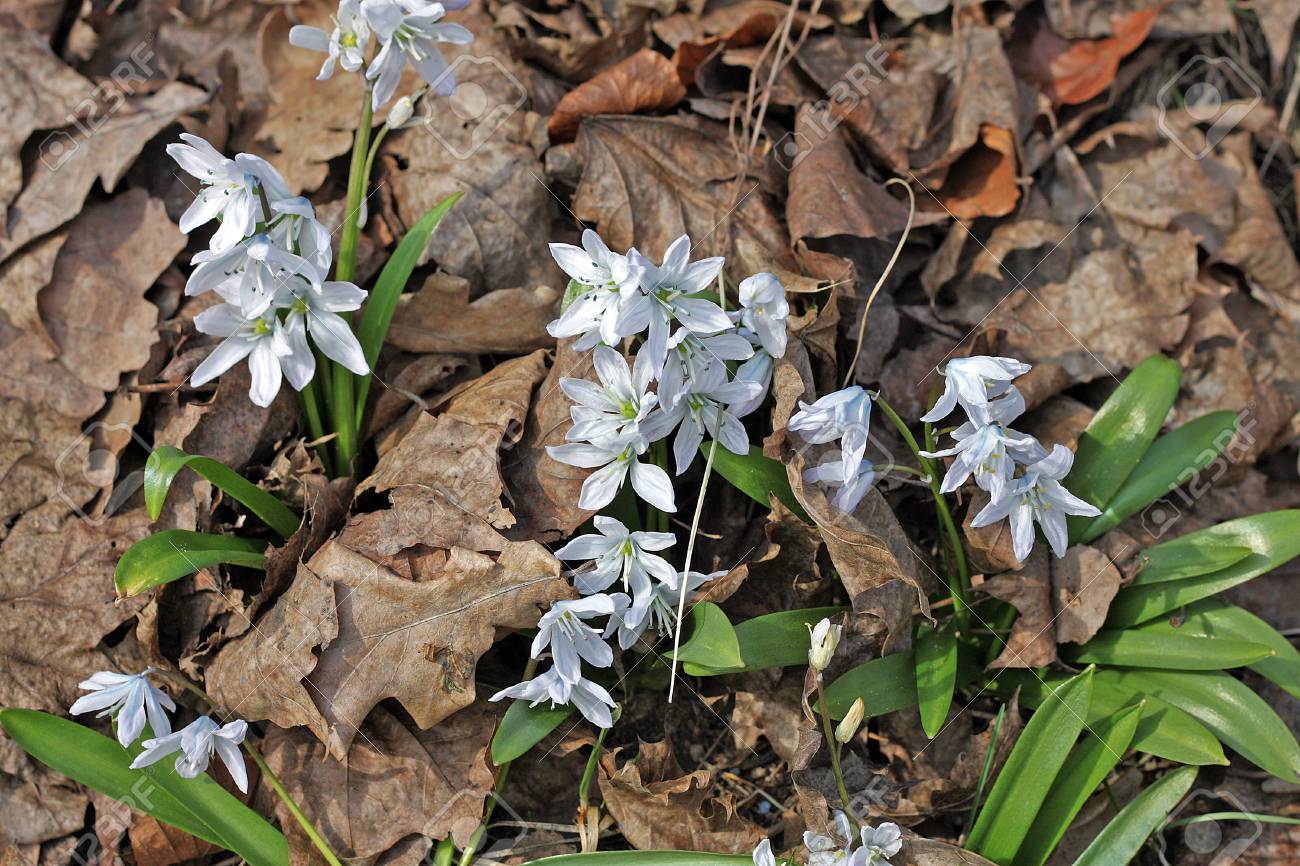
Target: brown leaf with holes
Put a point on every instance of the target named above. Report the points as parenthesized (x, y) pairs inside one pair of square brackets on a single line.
[(440, 317), (657, 806), (646, 81), (1071, 72)]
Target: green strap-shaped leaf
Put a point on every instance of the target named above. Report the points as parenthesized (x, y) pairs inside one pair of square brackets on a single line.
[(198, 806), (1117, 437), (646, 858), (1172, 461), (173, 553), (936, 676), (712, 644), (1273, 539), (1237, 716), (885, 684), (1213, 618), (774, 640), (377, 314), (1206, 556), (756, 476), (1127, 832), (165, 462), (1027, 776), (1088, 764), (523, 727), (1132, 648)]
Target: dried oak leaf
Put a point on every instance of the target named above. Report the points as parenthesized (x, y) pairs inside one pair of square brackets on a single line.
[(394, 782), (646, 81), (659, 807), (37, 805), (457, 451), (647, 181), (440, 317), (695, 37), (400, 605), (37, 91), (55, 190), (1072, 72), (1084, 582), (578, 38)]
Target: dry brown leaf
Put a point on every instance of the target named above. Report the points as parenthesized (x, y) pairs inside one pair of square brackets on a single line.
[(440, 317), (154, 843), (1084, 582), (1032, 642), (23, 277), (38, 806), (394, 783), (1072, 72), (54, 192), (989, 546), (646, 81), (658, 807), (400, 605), (983, 182)]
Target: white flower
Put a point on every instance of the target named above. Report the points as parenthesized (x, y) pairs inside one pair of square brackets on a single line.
[(765, 309), (618, 553), (692, 359), (847, 494), (843, 415), (830, 850), (878, 845), (757, 369), (987, 448), (656, 605), (296, 229), (763, 855), (250, 273), (664, 298), (590, 698), (615, 407), (132, 697), (825, 637), (317, 313), (704, 411), (346, 45), (571, 640), (230, 190), (973, 382), (263, 341), (1038, 495), (196, 742), (599, 315), (614, 460), (411, 28)]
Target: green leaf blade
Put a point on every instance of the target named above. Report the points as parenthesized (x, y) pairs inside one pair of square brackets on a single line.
[(173, 553), (165, 462), (1119, 842), (524, 726), (936, 677), (712, 644), (1137, 649), (756, 476)]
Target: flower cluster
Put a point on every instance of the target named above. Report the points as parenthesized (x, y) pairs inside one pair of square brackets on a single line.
[(990, 451), (268, 261), (873, 846), (403, 29), (132, 700), (842, 417), (698, 370)]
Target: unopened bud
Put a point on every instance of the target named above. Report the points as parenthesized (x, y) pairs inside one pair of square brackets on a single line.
[(848, 725), (825, 638), (400, 112)]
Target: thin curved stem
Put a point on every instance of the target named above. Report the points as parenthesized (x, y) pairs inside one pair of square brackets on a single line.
[(833, 746), (898, 248)]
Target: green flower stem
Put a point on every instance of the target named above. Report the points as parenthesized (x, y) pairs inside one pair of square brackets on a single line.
[(310, 405), (342, 388), (584, 793), (833, 746), (958, 587)]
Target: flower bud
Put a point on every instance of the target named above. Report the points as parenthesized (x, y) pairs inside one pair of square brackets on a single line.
[(825, 638), (848, 725), (400, 112)]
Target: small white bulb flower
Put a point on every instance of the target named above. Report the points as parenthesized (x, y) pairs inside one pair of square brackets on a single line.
[(852, 720), (825, 638), (252, 271), (693, 360), (987, 448), (764, 311), (656, 605), (132, 697), (830, 850), (571, 640), (317, 313), (974, 382), (878, 845), (600, 315), (295, 228), (757, 369), (263, 341), (664, 297), (232, 189), (344, 46), (614, 460), (618, 553), (411, 29), (763, 855), (591, 699), (705, 410), (843, 415), (1038, 496), (618, 405), (197, 742), (400, 113), (847, 494)]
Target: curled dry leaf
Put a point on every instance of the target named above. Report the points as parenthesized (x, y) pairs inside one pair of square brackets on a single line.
[(1071, 72), (983, 182), (440, 317), (657, 806), (646, 81)]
